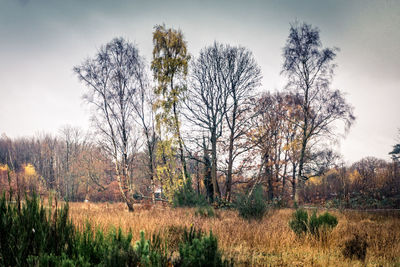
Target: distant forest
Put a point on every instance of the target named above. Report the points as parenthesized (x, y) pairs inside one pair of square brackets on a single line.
[(201, 125)]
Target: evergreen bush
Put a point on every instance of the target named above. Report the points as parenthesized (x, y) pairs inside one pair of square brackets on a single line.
[(205, 211), (328, 220), (313, 223), (30, 231), (198, 249), (253, 206), (299, 222), (302, 224), (151, 252), (34, 236), (187, 197)]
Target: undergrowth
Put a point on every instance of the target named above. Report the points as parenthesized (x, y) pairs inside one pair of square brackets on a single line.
[(34, 235), (252, 206), (301, 223)]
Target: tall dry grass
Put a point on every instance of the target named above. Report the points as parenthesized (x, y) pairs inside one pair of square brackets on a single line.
[(269, 242)]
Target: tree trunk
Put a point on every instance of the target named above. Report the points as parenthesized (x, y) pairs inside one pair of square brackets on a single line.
[(153, 188), (269, 177), (270, 185), (284, 174), (230, 169), (198, 178), (129, 202), (217, 192), (151, 169), (178, 132), (302, 155), (207, 174), (230, 159), (294, 191), (87, 186)]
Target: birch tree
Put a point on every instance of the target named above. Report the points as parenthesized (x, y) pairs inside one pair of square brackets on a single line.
[(112, 78), (309, 69), (170, 69)]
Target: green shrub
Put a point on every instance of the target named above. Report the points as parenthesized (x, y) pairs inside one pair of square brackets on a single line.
[(205, 211), (301, 223), (151, 252), (279, 202), (313, 223), (192, 234), (355, 248), (187, 197), (198, 249), (253, 206), (118, 250), (90, 245), (36, 237), (158, 251), (45, 260), (222, 203), (324, 223), (31, 231), (328, 220)]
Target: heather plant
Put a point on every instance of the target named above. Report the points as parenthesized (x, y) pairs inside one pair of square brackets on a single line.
[(355, 248)]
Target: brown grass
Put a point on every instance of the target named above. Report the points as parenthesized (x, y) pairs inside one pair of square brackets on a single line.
[(269, 242)]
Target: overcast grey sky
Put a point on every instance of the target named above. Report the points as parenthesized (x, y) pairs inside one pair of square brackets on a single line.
[(40, 42)]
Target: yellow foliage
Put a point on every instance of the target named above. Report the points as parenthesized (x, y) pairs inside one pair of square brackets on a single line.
[(3, 167), (353, 176), (315, 180), (29, 170), (294, 145), (167, 170)]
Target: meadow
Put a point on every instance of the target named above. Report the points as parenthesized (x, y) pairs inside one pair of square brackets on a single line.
[(268, 242)]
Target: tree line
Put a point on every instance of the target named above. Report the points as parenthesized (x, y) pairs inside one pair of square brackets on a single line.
[(200, 121)]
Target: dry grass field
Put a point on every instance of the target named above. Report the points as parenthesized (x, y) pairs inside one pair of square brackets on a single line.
[(269, 242)]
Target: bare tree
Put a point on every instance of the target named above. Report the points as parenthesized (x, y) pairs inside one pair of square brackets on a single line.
[(73, 141), (94, 163), (46, 160), (112, 78), (145, 118), (268, 133), (309, 69), (369, 171), (241, 76), (206, 99)]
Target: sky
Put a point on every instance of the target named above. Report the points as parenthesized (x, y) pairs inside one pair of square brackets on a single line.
[(42, 40)]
